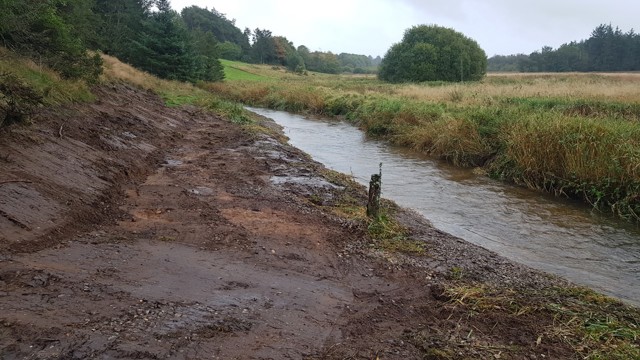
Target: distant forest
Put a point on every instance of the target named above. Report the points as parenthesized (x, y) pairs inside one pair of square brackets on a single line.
[(608, 49), (262, 47), (151, 36), (187, 46)]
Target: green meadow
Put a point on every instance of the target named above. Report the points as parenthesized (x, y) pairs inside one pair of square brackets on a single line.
[(575, 135), (239, 71)]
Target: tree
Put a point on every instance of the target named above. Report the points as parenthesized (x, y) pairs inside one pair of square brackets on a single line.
[(354, 63), (608, 49), (295, 63), (304, 52), (324, 62), (283, 49), (164, 47), (229, 51), (41, 30), (120, 23), (207, 65), (263, 47), (433, 53), (507, 63), (80, 15), (216, 23)]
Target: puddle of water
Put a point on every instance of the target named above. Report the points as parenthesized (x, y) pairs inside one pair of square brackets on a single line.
[(172, 163), (202, 191), (303, 180), (535, 229)]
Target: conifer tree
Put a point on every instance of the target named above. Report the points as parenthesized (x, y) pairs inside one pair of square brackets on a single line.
[(163, 48)]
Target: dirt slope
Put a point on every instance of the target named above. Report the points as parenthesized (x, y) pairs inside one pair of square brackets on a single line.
[(131, 230)]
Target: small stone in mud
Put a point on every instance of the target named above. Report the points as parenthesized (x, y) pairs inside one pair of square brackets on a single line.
[(40, 280)]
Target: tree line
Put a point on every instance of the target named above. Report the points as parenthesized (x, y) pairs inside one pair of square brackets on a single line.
[(261, 46), (147, 34), (267, 48), (151, 36), (607, 49)]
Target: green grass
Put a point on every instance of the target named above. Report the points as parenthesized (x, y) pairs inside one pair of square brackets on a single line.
[(234, 72)]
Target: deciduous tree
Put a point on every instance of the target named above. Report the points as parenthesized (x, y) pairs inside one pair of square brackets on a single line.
[(432, 53), (216, 23)]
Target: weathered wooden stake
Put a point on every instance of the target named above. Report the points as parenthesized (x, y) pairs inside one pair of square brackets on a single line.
[(375, 189)]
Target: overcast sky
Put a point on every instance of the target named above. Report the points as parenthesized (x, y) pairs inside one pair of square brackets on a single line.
[(370, 27)]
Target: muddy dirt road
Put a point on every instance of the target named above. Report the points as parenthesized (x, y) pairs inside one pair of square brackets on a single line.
[(130, 230)]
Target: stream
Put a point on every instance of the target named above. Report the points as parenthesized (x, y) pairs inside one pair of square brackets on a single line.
[(545, 233)]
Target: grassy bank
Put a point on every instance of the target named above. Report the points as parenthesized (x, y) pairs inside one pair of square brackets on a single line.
[(26, 86), (575, 135)]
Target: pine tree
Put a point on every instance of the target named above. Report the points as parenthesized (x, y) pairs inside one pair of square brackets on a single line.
[(163, 48), (42, 30), (119, 24), (208, 67)]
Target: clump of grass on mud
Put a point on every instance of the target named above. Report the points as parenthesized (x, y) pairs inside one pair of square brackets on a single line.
[(385, 231), (593, 325), (575, 135), (391, 236)]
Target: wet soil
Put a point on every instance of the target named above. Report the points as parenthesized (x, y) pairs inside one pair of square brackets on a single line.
[(129, 230)]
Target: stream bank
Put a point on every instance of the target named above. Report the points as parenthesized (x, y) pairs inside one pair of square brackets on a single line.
[(204, 239), (530, 227)]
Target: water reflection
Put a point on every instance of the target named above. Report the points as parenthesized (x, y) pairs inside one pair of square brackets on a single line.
[(558, 236)]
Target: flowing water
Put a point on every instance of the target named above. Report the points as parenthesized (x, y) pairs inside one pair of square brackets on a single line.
[(535, 229)]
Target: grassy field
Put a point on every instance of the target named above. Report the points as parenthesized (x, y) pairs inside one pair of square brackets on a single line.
[(242, 72), (575, 135)]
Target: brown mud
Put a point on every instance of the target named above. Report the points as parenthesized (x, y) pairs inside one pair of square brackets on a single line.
[(132, 230)]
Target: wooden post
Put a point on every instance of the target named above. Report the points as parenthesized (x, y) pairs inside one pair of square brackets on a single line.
[(375, 189)]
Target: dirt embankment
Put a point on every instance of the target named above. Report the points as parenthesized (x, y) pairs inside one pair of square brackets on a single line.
[(131, 230)]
